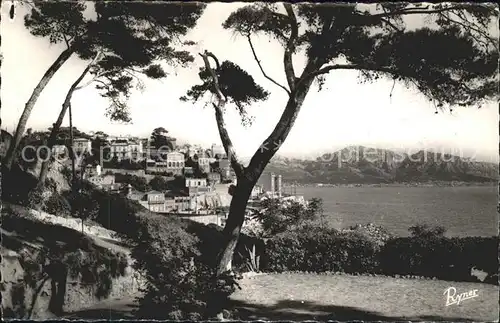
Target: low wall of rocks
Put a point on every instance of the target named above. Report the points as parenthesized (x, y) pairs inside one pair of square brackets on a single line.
[(18, 299)]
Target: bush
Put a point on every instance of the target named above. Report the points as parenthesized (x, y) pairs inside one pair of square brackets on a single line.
[(180, 283), (137, 182), (159, 183), (111, 210), (440, 257), (117, 213), (322, 250), (58, 205), (17, 185), (427, 254), (277, 216), (131, 164), (424, 231), (209, 244), (84, 201)]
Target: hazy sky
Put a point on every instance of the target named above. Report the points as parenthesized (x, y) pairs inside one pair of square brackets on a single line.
[(345, 113)]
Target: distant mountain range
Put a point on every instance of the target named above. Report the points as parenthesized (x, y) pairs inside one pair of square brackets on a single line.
[(364, 165)]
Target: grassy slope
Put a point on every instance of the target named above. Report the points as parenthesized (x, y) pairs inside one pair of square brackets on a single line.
[(341, 297), (24, 232)]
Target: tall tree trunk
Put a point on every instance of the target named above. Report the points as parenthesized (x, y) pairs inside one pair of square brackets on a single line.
[(58, 289), (234, 222), (21, 126), (57, 125), (35, 297), (252, 173), (72, 151)]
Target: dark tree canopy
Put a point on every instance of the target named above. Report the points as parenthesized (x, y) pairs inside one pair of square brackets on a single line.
[(126, 38), (236, 85), (160, 139), (451, 57)]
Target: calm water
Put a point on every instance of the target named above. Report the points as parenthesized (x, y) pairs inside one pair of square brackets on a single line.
[(463, 211)]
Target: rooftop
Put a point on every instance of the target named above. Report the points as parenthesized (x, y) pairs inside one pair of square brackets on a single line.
[(153, 192)]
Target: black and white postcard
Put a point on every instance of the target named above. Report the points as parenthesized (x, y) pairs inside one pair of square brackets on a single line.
[(239, 161)]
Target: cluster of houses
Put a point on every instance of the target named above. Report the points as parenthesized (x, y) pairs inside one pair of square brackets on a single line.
[(161, 161), (200, 195), (119, 148)]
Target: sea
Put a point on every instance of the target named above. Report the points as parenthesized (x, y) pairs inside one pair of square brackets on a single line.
[(462, 211)]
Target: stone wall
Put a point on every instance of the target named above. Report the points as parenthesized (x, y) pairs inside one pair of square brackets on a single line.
[(17, 294), (205, 219)]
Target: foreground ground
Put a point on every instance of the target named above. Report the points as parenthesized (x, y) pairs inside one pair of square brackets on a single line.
[(340, 297), (343, 297)]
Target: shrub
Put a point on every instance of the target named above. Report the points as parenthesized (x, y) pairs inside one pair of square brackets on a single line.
[(322, 250), (427, 254), (277, 217), (180, 284), (440, 257), (131, 164), (17, 185), (377, 234), (424, 231), (57, 204), (209, 244), (159, 183), (117, 213), (84, 201), (35, 199), (111, 210), (139, 183)]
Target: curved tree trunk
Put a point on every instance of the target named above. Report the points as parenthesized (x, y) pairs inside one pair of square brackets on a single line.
[(248, 176), (57, 125), (231, 232), (252, 173), (23, 120), (35, 297)]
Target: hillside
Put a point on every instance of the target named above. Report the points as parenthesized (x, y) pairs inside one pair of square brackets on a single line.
[(38, 248), (364, 165)]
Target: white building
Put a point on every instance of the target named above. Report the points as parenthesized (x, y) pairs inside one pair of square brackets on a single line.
[(175, 162), (204, 164), (196, 182), (91, 171), (123, 148), (119, 148), (218, 150), (101, 181), (136, 150), (197, 186), (256, 191), (227, 172), (82, 145)]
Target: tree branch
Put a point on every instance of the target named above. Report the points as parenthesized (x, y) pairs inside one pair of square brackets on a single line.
[(381, 69), (262, 69), (219, 116), (416, 10), (74, 86), (328, 68), (96, 59), (290, 47), (472, 27), (215, 79)]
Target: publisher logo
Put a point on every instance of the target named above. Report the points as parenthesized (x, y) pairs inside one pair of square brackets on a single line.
[(453, 298)]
